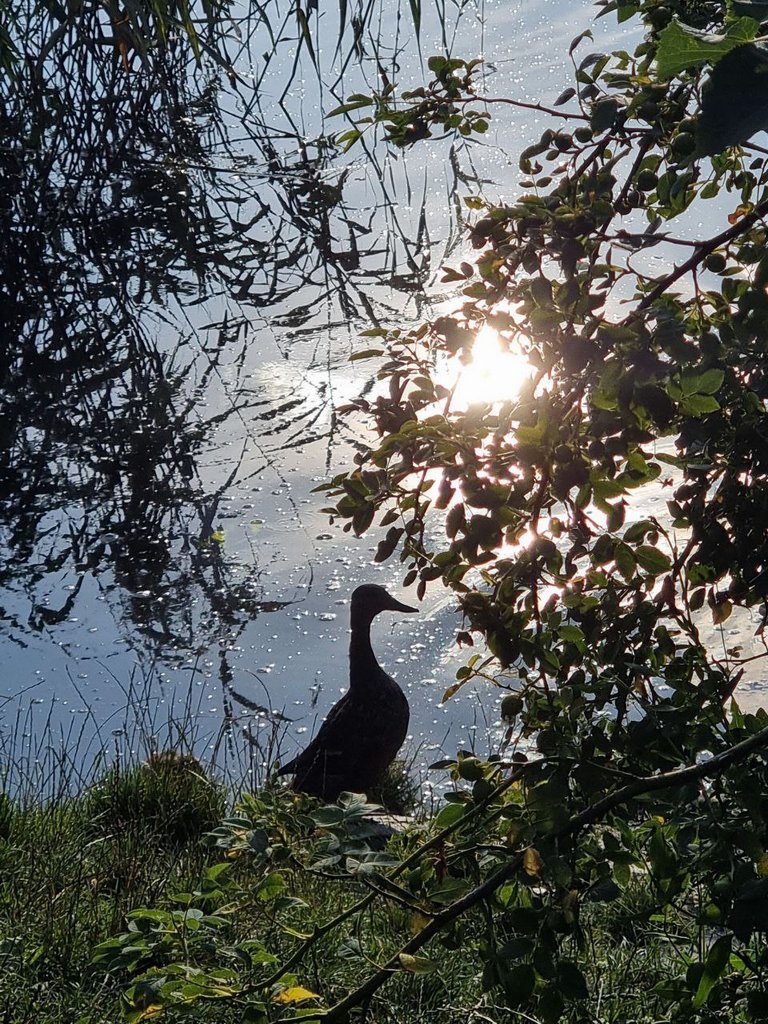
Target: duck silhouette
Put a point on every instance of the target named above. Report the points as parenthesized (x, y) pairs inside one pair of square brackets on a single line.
[(365, 729)]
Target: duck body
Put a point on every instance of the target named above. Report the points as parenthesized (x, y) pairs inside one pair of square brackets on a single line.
[(364, 731)]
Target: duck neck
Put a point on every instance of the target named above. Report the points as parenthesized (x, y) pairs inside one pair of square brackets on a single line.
[(362, 661)]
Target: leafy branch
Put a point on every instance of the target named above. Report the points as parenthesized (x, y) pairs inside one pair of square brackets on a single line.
[(598, 812)]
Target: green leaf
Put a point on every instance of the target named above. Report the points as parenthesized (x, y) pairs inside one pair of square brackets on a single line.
[(734, 103), (603, 113), (415, 6), (663, 857), (327, 817), (710, 381), (604, 891), (573, 984), (637, 531), (306, 34), (602, 552), (355, 805), (449, 815), (254, 1013), (347, 139), (682, 47), (692, 383), (652, 560), (604, 489), (564, 97), (519, 982), (449, 890), (271, 887), (345, 108), (717, 960), (572, 634), (699, 405), (453, 689), (625, 560), (258, 840)]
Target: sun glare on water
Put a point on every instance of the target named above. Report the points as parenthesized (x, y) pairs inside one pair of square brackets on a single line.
[(494, 374)]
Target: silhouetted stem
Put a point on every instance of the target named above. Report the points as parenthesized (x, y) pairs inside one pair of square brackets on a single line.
[(704, 249), (648, 784)]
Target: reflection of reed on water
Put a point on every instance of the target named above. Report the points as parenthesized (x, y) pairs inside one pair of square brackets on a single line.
[(153, 215)]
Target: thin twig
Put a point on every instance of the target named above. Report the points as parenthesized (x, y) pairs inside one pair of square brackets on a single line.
[(521, 103), (704, 249), (648, 784)]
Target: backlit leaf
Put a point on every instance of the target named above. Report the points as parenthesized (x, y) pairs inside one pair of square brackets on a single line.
[(417, 964), (734, 104), (652, 560), (294, 994), (717, 960), (532, 862), (682, 47)]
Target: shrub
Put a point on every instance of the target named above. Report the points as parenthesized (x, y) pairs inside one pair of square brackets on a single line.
[(396, 791)]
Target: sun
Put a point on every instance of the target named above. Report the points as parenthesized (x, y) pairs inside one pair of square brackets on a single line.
[(494, 373)]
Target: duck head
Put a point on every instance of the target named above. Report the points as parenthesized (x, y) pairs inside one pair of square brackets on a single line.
[(370, 599)]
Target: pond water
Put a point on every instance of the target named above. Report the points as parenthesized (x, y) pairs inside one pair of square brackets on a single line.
[(188, 268)]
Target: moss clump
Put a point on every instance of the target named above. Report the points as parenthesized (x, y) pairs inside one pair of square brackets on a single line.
[(169, 795)]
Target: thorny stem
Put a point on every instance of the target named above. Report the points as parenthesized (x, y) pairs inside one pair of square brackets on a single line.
[(520, 103)]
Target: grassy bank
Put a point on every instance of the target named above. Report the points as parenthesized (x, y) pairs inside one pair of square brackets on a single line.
[(149, 871), (71, 869)]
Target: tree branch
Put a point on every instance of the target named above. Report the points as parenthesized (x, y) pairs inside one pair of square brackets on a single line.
[(527, 106), (704, 249), (649, 784)]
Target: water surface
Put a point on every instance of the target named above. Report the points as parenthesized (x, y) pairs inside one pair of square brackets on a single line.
[(189, 265)]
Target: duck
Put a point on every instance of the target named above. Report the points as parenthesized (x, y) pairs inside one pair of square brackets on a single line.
[(363, 732)]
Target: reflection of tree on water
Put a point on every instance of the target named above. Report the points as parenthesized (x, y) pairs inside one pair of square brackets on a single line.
[(127, 201)]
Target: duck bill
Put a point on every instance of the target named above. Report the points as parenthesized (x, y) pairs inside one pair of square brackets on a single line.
[(398, 606)]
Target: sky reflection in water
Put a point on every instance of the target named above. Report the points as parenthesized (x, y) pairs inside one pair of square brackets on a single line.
[(184, 331)]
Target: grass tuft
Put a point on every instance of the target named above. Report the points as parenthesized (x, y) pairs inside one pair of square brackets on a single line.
[(169, 796), (397, 792), (6, 815)]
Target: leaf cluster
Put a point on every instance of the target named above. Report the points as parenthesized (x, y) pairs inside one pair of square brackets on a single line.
[(413, 115), (522, 860), (599, 518), (639, 378)]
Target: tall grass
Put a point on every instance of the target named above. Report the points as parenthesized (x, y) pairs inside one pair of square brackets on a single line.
[(45, 758), (95, 820), (72, 867), (100, 822)]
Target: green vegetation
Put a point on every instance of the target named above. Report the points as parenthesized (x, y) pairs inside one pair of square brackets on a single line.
[(396, 792), (72, 868), (286, 904), (646, 343), (612, 863), (170, 795)]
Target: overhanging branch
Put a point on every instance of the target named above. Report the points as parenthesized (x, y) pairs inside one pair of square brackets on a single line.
[(678, 777)]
